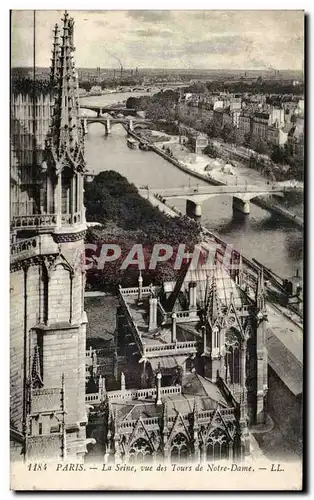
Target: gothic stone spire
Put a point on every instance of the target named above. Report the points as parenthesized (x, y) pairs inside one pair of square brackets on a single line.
[(55, 55), (66, 133)]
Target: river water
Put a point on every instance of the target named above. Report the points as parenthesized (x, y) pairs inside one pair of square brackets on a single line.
[(274, 242)]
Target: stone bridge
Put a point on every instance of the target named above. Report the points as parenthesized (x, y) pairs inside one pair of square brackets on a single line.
[(100, 110), (242, 194), (108, 122)]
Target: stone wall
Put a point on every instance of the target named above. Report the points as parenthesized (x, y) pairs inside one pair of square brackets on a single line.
[(285, 408), (27, 149), (61, 340)]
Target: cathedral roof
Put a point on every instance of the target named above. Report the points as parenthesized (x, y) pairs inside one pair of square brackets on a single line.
[(207, 393)]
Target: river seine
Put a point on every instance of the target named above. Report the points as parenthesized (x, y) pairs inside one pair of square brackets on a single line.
[(274, 242)]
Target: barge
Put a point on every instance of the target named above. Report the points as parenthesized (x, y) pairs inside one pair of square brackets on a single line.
[(131, 143)]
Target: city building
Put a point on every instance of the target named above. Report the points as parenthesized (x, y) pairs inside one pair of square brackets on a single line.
[(296, 138), (47, 326), (198, 142), (278, 136), (245, 124)]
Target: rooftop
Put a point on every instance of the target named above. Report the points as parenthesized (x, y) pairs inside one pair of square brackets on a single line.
[(194, 387)]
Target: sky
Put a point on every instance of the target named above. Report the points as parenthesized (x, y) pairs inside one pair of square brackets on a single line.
[(168, 39)]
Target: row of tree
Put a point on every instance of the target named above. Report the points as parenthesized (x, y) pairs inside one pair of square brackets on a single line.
[(241, 86), (129, 219)]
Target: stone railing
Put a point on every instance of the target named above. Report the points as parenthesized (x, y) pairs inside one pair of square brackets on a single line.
[(174, 348), (146, 290), (208, 414), (93, 398), (29, 246), (69, 219), (183, 316), (130, 424), (34, 221), (150, 393), (133, 394), (44, 220)]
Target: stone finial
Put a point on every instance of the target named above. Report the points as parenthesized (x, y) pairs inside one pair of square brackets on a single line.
[(140, 286), (158, 395), (174, 327), (122, 381)]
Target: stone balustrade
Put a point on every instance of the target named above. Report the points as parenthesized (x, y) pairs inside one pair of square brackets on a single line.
[(24, 247), (132, 394), (69, 219), (48, 221), (130, 424), (34, 221), (174, 348), (208, 414), (146, 290), (93, 398)]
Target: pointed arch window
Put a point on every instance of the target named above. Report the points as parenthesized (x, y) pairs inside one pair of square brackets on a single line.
[(216, 336), (140, 451), (217, 446), (232, 357), (180, 449), (66, 183)]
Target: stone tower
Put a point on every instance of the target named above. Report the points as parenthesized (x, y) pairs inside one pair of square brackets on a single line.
[(48, 322)]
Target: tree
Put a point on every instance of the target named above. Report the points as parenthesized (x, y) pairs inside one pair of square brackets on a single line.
[(86, 85), (279, 154), (260, 146), (213, 129), (132, 103), (128, 219), (228, 133), (210, 150)]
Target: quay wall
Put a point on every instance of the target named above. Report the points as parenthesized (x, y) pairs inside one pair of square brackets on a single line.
[(260, 202)]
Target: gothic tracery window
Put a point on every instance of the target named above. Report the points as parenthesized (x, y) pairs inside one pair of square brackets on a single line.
[(66, 186), (232, 357), (179, 447), (217, 446), (140, 451)]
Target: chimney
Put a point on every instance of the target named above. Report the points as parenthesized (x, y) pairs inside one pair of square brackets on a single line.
[(192, 295), (174, 327), (152, 314), (158, 394)]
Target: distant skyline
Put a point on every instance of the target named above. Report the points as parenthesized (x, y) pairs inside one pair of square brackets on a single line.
[(234, 40)]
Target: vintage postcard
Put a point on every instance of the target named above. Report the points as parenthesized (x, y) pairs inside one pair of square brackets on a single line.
[(156, 270)]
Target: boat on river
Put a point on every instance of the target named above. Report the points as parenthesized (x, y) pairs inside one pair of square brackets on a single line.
[(144, 146), (131, 143)]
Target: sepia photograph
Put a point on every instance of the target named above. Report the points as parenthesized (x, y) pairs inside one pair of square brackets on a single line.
[(156, 249)]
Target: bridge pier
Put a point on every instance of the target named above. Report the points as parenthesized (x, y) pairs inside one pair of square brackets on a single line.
[(85, 127), (193, 210), (108, 126), (239, 205), (131, 126)]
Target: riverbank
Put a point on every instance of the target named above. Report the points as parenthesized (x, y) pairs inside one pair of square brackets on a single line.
[(216, 173)]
